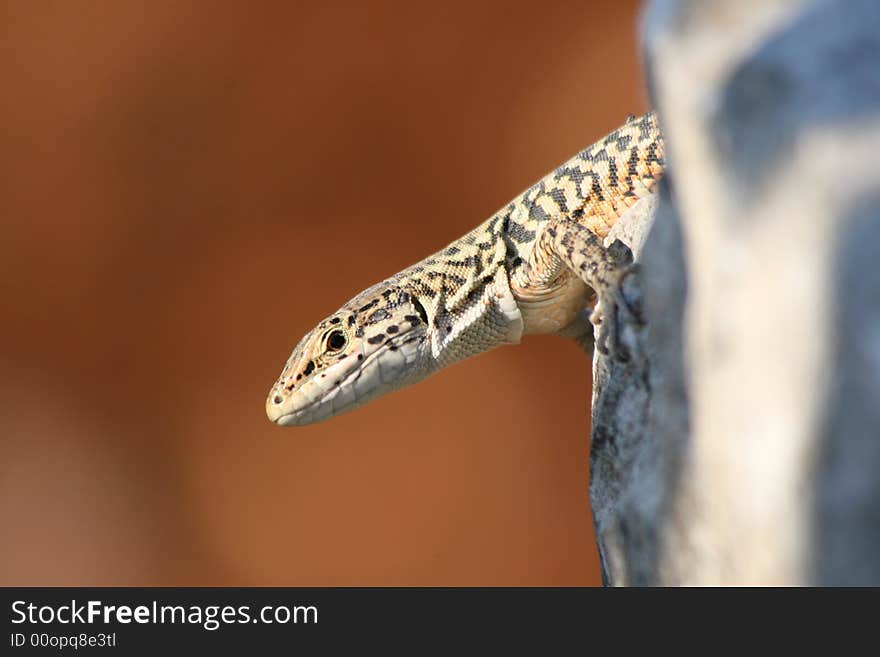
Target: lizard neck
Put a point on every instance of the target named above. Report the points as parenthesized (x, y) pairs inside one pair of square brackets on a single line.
[(466, 293)]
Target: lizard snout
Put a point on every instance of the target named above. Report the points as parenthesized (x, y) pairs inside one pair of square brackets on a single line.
[(275, 403)]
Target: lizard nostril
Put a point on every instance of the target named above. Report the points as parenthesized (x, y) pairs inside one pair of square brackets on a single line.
[(278, 399)]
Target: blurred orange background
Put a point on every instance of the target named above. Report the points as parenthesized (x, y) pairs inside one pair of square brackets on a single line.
[(186, 190)]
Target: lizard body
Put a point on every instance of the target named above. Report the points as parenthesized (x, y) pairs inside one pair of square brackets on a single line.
[(532, 267)]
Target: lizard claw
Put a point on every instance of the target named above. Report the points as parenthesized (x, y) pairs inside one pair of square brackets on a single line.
[(608, 338), (612, 314)]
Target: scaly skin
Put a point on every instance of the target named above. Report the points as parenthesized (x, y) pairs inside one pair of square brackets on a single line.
[(533, 267)]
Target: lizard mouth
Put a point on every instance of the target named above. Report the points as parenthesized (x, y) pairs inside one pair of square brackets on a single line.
[(392, 365)]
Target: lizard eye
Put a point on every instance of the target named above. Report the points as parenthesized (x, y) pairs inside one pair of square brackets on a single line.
[(336, 340)]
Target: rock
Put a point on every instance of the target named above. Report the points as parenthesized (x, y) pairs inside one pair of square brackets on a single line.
[(742, 444)]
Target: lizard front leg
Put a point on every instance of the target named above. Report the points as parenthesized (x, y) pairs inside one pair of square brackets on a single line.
[(564, 246)]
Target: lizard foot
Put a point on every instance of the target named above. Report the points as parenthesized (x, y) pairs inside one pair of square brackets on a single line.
[(617, 308)]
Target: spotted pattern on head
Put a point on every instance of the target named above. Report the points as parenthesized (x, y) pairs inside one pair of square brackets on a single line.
[(364, 319)]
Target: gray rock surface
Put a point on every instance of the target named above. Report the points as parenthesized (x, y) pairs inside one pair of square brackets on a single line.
[(741, 444)]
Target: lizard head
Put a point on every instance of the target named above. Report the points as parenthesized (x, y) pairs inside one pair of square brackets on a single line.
[(375, 343)]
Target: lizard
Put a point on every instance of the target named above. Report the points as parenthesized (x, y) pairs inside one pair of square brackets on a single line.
[(535, 266)]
